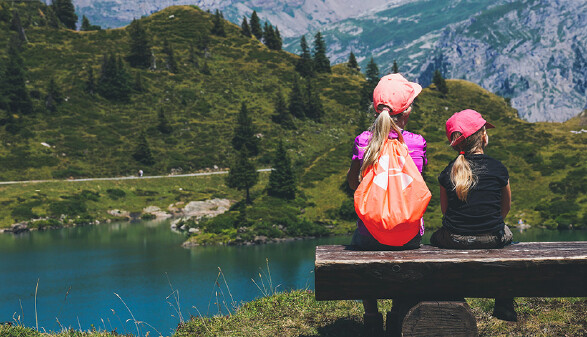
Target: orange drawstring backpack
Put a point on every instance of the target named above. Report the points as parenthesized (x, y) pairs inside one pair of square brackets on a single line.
[(392, 197)]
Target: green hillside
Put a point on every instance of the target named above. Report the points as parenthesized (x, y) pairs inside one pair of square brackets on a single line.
[(90, 136)]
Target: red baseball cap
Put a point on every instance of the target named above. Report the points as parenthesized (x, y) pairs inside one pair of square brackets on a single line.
[(396, 92), (466, 122)]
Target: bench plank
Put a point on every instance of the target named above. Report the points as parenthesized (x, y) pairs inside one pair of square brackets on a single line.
[(530, 269)]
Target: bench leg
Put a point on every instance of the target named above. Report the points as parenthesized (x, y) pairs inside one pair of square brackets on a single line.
[(432, 318)]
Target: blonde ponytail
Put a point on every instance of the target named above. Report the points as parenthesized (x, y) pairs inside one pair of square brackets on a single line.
[(462, 174), (380, 132)]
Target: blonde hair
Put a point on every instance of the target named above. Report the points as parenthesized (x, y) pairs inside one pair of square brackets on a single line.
[(462, 174), (380, 130)]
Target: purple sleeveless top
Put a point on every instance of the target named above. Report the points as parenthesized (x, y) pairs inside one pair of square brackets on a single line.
[(416, 146)]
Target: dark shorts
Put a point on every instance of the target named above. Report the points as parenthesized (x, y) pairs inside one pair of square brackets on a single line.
[(443, 238), (368, 242)]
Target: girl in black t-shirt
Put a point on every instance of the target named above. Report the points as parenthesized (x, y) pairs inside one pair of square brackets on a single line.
[(475, 195)]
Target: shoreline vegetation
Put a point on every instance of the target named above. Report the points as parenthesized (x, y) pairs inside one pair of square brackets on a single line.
[(297, 313)]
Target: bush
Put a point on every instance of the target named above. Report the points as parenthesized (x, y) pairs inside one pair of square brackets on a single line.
[(67, 207), (115, 193), (88, 195), (148, 216), (44, 223), (23, 212), (69, 172)]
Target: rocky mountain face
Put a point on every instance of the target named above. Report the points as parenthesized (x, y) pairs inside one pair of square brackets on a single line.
[(531, 51), (293, 17)]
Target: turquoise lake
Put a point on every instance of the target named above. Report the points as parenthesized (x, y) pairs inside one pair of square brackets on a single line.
[(103, 276)]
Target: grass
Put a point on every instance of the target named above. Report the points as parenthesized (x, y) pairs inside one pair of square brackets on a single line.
[(297, 313)]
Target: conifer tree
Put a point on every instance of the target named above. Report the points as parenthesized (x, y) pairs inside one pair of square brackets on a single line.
[(140, 49), (296, 101), (16, 25), (114, 81), (142, 151), (256, 26), (278, 40), (372, 74), (440, 83), (321, 61), (281, 179), (242, 174), (192, 56), (245, 29), (205, 68), (65, 11), (139, 82), (244, 133), (353, 62), (15, 94), (163, 125), (170, 61), (52, 19), (86, 26), (218, 24), (395, 68), (91, 82), (305, 65), (281, 114), (313, 107), (53, 97)]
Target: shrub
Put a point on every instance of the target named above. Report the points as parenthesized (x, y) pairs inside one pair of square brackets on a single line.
[(44, 223), (115, 193), (67, 207), (23, 212)]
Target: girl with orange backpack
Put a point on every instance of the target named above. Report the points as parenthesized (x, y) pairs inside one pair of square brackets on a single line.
[(386, 173)]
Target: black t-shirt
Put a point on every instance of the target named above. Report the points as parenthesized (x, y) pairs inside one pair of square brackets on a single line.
[(481, 213)]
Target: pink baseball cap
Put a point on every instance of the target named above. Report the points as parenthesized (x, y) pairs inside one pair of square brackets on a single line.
[(396, 92), (466, 122)]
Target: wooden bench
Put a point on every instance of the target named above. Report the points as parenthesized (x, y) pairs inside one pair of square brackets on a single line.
[(436, 277)]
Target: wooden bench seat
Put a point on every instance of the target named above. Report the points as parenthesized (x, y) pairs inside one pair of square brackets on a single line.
[(530, 269)]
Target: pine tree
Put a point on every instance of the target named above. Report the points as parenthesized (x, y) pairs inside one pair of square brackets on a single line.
[(395, 68), (278, 40), (269, 36), (142, 152), (244, 133), (192, 57), (281, 114), (305, 65), (52, 19), (242, 174), (85, 24), (256, 26), (114, 81), (16, 25), (218, 24), (372, 74), (281, 179), (205, 68), (245, 29), (65, 11), (313, 107), (321, 61), (54, 96), (139, 82), (140, 49), (440, 83), (170, 61), (353, 62), (15, 94), (91, 82), (296, 106), (163, 125)]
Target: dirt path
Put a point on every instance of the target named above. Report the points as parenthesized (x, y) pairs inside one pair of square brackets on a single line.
[(121, 178)]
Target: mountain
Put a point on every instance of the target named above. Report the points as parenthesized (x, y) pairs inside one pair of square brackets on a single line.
[(530, 51), (292, 17)]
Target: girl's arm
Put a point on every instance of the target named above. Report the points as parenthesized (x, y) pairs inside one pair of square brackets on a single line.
[(352, 175), (506, 200), (443, 200)]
